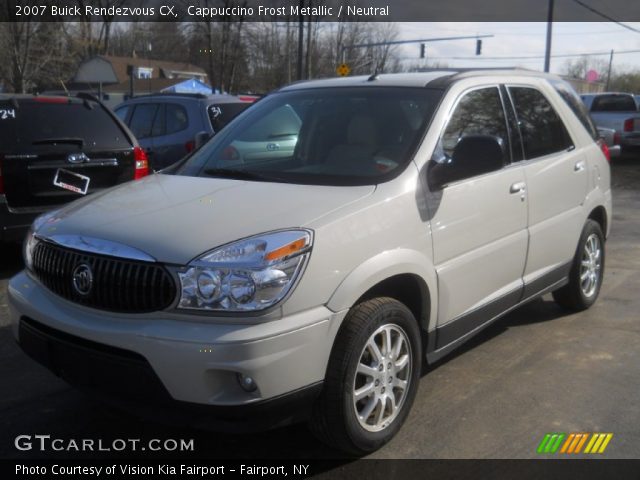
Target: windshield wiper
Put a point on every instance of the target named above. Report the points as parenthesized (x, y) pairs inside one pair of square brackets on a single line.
[(280, 135), (240, 174), (52, 141)]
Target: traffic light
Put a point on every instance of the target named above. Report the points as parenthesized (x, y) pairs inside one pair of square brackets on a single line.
[(478, 47), (422, 50)]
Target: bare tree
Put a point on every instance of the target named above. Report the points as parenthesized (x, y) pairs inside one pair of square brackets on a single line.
[(32, 54)]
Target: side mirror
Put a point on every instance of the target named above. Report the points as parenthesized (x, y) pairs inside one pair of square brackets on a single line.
[(473, 155), (200, 139)]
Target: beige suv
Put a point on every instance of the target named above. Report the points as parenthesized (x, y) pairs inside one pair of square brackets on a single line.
[(386, 221)]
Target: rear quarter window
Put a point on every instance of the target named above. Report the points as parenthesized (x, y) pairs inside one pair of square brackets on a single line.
[(222, 113), (576, 105)]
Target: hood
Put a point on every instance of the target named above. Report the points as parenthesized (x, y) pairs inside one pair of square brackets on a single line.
[(176, 218)]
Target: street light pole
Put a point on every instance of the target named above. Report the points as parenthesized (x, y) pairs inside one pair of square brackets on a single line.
[(547, 55), (609, 72)]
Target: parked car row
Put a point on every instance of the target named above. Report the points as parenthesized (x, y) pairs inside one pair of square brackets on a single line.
[(169, 126), (55, 149)]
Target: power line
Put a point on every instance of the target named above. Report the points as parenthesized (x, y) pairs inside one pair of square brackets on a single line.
[(525, 57), (604, 15)]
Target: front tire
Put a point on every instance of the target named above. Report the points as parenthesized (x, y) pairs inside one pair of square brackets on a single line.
[(372, 377), (587, 271)]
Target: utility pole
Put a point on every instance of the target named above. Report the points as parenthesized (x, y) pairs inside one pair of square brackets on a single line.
[(547, 55), (300, 39), (609, 72)]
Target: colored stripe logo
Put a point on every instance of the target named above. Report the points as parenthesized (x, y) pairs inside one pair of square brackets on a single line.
[(574, 443)]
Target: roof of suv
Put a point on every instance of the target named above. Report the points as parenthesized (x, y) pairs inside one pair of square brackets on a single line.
[(434, 78), (215, 98)]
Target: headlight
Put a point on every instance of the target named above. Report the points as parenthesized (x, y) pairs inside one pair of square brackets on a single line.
[(27, 252), (31, 240), (248, 275)]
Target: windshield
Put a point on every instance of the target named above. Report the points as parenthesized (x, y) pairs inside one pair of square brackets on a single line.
[(328, 136)]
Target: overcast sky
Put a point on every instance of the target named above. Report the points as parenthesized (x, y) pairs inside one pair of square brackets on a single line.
[(522, 40)]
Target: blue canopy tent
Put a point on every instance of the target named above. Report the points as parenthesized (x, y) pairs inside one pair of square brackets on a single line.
[(190, 86)]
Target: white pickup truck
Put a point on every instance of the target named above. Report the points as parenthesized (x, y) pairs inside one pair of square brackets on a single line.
[(618, 111)]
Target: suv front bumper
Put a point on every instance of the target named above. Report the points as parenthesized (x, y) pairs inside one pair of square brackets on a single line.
[(153, 360)]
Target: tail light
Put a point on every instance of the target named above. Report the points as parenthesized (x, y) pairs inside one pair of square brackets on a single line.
[(190, 145), (605, 150), (1, 178), (628, 125), (616, 138), (142, 163)]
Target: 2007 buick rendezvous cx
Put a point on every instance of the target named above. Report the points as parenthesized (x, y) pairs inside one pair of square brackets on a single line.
[(273, 282)]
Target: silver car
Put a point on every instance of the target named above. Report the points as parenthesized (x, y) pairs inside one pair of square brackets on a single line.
[(412, 211)]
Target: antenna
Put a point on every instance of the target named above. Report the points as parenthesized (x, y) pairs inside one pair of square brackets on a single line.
[(65, 88)]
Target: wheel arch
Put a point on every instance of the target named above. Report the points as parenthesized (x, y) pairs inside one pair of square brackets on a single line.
[(599, 215), (404, 275)]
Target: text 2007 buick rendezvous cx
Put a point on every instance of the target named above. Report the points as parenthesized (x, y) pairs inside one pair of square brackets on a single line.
[(303, 262)]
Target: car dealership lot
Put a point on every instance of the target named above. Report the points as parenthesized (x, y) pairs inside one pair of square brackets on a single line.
[(538, 370)]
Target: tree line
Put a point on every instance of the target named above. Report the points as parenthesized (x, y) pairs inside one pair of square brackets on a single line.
[(237, 56)]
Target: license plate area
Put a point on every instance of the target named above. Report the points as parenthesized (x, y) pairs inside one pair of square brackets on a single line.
[(71, 181)]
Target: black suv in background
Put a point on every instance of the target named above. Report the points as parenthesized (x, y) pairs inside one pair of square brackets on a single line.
[(56, 149), (170, 125)]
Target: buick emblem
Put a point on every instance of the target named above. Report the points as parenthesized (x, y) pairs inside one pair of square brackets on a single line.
[(82, 279)]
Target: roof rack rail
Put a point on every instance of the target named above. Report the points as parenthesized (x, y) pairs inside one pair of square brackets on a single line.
[(172, 94)]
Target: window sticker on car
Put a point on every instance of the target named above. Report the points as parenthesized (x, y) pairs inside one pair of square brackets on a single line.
[(216, 111), (7, 114)]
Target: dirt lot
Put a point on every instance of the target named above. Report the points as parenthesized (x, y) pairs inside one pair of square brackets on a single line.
[(538, 370)]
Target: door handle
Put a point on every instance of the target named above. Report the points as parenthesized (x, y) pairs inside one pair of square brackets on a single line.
[(518, 187), (579, 166)]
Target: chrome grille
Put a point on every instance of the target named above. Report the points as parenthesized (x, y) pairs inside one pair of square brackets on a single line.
[(119, 285)]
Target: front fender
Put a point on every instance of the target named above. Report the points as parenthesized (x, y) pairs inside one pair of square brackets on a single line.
[(381, 267)]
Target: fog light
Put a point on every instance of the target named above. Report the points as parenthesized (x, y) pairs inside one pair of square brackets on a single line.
[(247, 383)]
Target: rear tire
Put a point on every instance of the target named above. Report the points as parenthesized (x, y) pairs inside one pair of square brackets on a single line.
[(372, 377), (587, 271)]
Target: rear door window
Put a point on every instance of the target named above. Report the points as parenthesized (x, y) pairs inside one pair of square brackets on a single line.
[(542, 129), (176, 118), (142, 120)]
